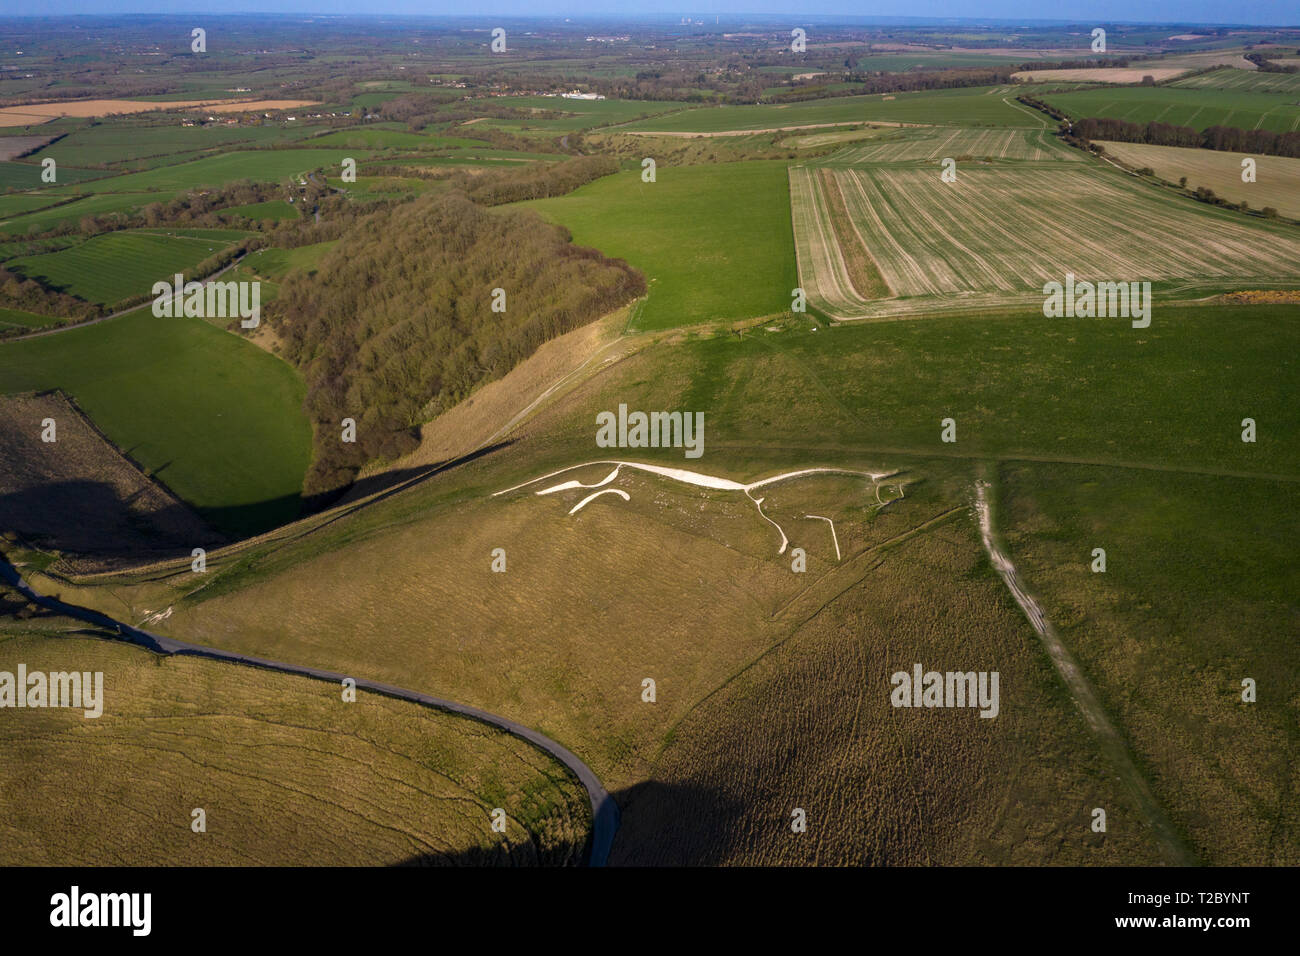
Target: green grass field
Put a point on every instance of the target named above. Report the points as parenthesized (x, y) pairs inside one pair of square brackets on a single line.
[(216, 419), (1247, 81), (980, 106), (116, 266), (1092, 389), (392, 137), (112, 143), (714, 241), (13, 318), (269, 165), (582, 114), (1197, 108), (73, 212), (16, 204), (275, 263), (27, 175)]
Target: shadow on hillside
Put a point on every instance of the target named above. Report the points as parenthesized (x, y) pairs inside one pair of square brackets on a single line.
[(387, 483), (662, 825), (92, 519), (96, 527)]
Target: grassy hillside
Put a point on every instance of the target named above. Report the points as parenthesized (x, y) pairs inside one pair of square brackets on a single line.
[(286, 773), (1198, 593), (715, 241), (907, 589)]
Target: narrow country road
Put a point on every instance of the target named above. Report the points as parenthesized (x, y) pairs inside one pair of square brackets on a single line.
[(1112, 744), (604, 811)]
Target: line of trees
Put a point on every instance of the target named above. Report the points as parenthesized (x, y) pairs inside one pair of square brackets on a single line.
[(1228, 138), (397, 323), (1266, 65), (538, 182)]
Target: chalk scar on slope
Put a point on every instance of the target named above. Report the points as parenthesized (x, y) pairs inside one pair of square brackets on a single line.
[(696, 478), (596, 494)]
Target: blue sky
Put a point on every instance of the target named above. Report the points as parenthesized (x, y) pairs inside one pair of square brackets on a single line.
[(1275, 12)]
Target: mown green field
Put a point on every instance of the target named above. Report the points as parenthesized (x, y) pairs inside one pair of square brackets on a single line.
[(269, 165), (216, 419), (1197, 108), (714, 241), (27, 175), (116, 266), (1248, 81), (112, 143), (73, 212), (979, 106)]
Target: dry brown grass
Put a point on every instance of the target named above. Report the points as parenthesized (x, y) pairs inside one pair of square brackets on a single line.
[(810, 726), (287, 773)]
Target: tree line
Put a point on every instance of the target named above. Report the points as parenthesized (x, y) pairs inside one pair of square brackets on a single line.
[(1227, 138), (397, 323)]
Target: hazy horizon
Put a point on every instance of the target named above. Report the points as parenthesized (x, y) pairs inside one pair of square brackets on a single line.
[(1275, 13)]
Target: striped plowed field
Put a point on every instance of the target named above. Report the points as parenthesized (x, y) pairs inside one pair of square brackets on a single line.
[(1001, 232), (938, 142)]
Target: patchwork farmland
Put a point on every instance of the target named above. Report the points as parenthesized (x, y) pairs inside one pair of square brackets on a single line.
[(990, 238), (704, 645)]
